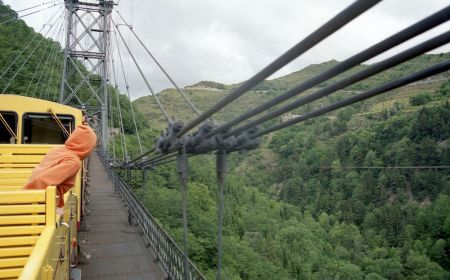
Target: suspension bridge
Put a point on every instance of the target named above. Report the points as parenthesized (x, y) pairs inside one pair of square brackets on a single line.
[(121, 239)]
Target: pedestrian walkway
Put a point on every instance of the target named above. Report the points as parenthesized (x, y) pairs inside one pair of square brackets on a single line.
[(114, 249)]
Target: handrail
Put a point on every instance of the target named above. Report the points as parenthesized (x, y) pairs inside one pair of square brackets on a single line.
[(165, 248)]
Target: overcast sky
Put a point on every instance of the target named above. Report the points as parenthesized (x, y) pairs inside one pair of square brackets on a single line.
[(228, 41)]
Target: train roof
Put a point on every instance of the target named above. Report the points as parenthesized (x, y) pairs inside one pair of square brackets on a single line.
[(18, 103)]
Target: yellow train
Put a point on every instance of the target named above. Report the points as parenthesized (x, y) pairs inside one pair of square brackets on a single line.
[(35, 242)]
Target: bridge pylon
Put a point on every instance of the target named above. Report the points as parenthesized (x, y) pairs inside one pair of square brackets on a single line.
[(87, 44)]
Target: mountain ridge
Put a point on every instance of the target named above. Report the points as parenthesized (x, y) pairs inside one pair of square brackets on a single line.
[(206, 93)]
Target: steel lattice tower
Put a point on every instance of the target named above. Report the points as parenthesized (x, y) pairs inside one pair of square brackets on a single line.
[(87, 44)]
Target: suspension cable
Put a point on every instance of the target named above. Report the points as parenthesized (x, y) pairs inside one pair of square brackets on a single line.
[(29, 56), (50, 70), (50, 77), (124, 142), (179, 90), (128, 93), (29, 8), (372, 70), (420, 75), (161, 107), (44, 68), (394, 40), (44, 54), (314, 38), (26, 47), (154, 159), (111, 124), (29, 14), (58, 64), (43, 92), (56, 46)]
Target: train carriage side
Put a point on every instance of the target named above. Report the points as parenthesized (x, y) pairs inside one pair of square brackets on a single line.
[(29, 128)]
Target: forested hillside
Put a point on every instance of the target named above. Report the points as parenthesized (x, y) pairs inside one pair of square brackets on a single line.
[(14, 37), (361, 193), (352, 195), (37, 71)]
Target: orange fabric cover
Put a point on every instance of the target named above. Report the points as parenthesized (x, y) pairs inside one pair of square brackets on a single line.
[(61, 164)]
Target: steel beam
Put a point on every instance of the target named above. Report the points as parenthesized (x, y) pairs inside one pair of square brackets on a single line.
[(87, 44)]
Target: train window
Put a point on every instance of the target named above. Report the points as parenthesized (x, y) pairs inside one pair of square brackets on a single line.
[(8, 127), (46, 128)]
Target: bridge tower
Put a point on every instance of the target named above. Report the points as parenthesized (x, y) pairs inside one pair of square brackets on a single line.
[(87, 44)]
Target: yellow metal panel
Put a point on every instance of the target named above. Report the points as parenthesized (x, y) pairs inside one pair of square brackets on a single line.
[(13, 181), (13, 262), (18, 241), (10, 188), (12, 173), (15, 251), (20, 197), (22, 209), (18, 165), (21, 158), (22, 219), (11, 273), (19, 149), (21, 230)]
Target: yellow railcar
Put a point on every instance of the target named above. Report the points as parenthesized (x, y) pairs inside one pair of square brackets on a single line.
[(34, 242)]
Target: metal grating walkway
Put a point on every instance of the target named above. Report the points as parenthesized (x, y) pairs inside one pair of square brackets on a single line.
[(116, 249)]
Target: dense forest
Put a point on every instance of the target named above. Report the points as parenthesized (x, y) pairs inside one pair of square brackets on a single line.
[(326, 200), (358, 194)]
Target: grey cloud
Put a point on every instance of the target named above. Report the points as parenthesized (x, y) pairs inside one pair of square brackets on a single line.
[(229, 41)]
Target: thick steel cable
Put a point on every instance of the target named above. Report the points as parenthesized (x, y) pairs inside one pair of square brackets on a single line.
[(161, 107), (111, 125), (428, 72), (153, 160), (378, 167), (111, 116), (128, 93), (26, 47), (29, 55), (180, 91), (141, 156), (394, 40), (29, 8), (368, 72), (123, 140), (314, 38), (29, 14)]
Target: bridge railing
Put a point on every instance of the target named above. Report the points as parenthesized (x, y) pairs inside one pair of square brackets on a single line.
[(165, 248)]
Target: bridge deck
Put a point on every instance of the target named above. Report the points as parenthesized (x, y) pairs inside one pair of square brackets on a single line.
[(116, 249)]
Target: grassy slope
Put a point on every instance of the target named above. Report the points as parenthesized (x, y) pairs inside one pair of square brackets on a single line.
[(205, 94)]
